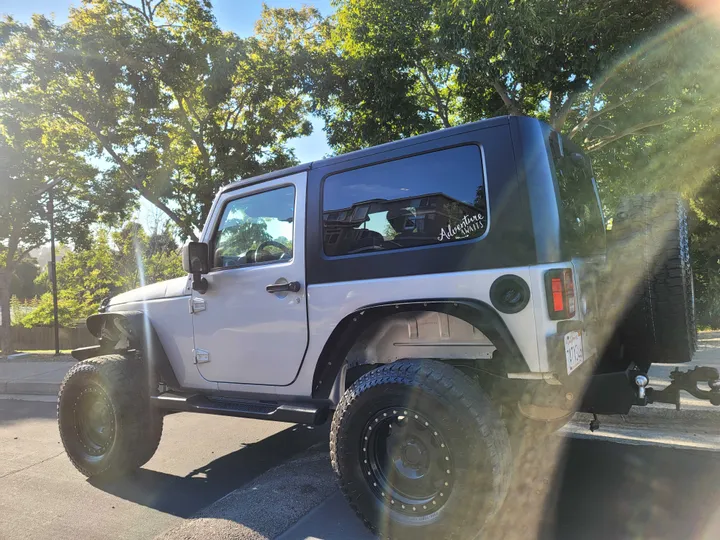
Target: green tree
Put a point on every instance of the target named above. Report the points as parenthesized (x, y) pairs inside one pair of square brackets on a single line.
[(144, 259), (84, 278), (23, 284), (176, 106), (705, 246), (241, 235), (112, 263), (633, 83), (163, 258), (163, 265), (399, 68), (31, 155), (364, 77), (130, 244)]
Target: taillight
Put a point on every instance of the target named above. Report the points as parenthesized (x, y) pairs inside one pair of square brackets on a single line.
[(560, 290)]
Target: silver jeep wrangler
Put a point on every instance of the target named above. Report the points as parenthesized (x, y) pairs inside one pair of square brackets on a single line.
[(433, 295)]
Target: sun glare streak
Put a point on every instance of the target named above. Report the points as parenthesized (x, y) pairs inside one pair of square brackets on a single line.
[(148, 331), (137, 248), (680, 156), (679, 146)]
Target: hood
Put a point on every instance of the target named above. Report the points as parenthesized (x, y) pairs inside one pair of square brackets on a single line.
[(163, 289)]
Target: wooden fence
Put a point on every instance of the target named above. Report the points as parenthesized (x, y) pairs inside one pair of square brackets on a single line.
[(43, 338)]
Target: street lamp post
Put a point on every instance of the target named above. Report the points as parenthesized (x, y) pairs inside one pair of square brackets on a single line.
[(53, 272)]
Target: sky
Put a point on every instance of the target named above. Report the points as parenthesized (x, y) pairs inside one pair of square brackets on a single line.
[(236, 15)]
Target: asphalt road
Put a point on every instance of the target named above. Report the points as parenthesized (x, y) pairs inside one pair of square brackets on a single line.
[(243, 478), (201, 458)]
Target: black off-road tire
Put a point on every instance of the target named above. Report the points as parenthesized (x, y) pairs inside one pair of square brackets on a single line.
[(134, 428), (650, 251), (457, 411)]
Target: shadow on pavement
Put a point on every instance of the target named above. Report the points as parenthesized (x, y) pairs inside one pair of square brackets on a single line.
[(605, 490), (184, 496)]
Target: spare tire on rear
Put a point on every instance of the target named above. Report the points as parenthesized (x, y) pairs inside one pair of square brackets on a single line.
[(649, 253)]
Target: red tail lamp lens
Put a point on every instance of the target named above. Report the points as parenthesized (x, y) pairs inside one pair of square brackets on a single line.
[(560, 289), (557, 295)]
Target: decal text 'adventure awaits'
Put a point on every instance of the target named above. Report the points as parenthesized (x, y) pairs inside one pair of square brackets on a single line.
[(466, 227)]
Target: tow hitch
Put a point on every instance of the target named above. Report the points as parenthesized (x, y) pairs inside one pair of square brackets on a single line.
[(617, 392), (682, 380)]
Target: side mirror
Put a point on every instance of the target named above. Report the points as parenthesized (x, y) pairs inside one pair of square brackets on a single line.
[(196, 261)]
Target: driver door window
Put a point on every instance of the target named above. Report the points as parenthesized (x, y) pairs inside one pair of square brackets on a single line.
[(257, 229)]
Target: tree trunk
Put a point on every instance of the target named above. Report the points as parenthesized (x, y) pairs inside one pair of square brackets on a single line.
[(6, 344)]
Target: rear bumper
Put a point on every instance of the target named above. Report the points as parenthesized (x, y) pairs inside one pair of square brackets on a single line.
[(555, 344), (604, 393)]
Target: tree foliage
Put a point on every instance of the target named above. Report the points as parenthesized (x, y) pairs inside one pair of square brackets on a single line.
[(114, 262), (392, 69), (22, 284), (31, 155), (175, 106), (633, 83), (84, 277)]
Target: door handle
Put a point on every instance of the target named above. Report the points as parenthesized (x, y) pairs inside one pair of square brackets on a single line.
[(290, 286)]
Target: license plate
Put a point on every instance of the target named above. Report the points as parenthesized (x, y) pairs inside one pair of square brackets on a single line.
[(573, 351)]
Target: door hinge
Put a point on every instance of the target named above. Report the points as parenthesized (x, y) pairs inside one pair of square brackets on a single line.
[(201, 356), (197, 305)]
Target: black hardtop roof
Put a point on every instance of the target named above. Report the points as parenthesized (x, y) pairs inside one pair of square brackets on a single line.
[(417, 139)]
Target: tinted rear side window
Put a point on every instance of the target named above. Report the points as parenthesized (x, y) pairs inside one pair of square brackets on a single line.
[(581, 221), (421, 200)]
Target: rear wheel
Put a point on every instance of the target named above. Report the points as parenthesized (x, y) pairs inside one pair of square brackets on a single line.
[(420, 451), (650, 248), (106, 422)]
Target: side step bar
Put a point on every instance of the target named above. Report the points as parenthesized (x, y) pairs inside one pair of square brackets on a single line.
[(297, 413)]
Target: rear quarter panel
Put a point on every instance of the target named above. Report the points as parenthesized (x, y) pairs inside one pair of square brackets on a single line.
[(329, 303)]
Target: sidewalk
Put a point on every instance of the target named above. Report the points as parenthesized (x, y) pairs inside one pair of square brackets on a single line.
[(32, 378)]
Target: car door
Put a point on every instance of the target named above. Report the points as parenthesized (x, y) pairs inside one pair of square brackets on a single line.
[(251, 325)]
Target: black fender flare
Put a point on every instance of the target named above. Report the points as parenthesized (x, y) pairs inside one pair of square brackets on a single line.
[(125, 331), (479, 314)]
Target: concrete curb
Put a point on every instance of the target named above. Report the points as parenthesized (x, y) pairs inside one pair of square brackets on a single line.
[(689, 438), (668, 416), (32, 378), (30, 387)]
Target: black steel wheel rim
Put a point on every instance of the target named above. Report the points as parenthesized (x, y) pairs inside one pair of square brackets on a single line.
[(406, 461), (94, 421)]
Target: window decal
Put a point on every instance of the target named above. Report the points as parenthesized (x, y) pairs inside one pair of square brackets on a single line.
[(465, 228), (420, 200)]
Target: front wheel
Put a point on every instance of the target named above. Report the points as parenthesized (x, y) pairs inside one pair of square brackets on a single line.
[(420, 451), (106, 422)]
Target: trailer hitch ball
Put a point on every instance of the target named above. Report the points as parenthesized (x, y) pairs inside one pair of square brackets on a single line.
[(641, 381)]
